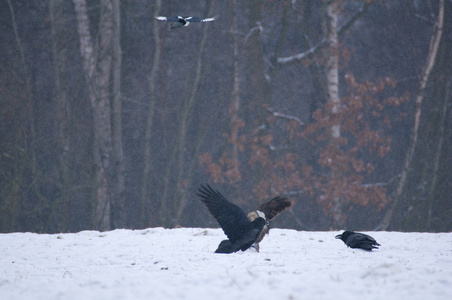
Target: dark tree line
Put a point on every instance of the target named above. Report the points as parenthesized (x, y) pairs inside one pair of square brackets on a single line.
[(110, 119)]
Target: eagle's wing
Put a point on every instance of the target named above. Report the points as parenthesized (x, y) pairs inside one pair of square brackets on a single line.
[(273, 207), (270, 209), (231, 218)]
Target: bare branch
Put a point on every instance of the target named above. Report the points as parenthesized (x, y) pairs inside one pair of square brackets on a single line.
[(252, 30), (314, 49), (285, 116), (368, 185)]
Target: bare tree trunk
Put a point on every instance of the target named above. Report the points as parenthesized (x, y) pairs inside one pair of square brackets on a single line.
[(182, 141), (27, 139), (436, 158), (235, 123), (119, 182), (29, 94), (259, 85), (332, 76), (257, 95), (434, 43), (97, 61), (147, 155), (61, 105)]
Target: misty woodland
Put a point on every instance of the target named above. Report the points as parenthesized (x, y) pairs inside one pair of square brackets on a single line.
[(113, 118)]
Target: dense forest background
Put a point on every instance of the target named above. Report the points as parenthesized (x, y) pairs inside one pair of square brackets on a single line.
[(110, 119)]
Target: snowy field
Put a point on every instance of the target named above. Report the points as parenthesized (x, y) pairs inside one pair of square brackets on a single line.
[(159, 263)]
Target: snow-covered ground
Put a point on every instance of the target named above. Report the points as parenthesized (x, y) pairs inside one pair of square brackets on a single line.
[(159, 263)]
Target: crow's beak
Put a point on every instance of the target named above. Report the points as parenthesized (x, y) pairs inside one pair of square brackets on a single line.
[(338, 236)]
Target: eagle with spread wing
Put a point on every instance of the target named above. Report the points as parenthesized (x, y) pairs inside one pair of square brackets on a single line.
[(243, 231), (270, 209)]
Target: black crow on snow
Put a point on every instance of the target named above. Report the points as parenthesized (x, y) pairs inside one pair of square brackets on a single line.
[(179, 21), (358, 240), (270, 209), (241, 232)]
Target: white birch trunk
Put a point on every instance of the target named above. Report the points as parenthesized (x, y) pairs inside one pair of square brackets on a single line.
[(332, 64), (333, 94)]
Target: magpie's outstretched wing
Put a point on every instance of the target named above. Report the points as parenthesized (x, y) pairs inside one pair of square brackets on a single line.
[(170, 19), (273, 207), (231, 218), (194, 19)]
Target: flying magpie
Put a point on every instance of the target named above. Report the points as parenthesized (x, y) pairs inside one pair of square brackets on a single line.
[(179, 21), (358, 240), (241, 232), (270, 209)]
